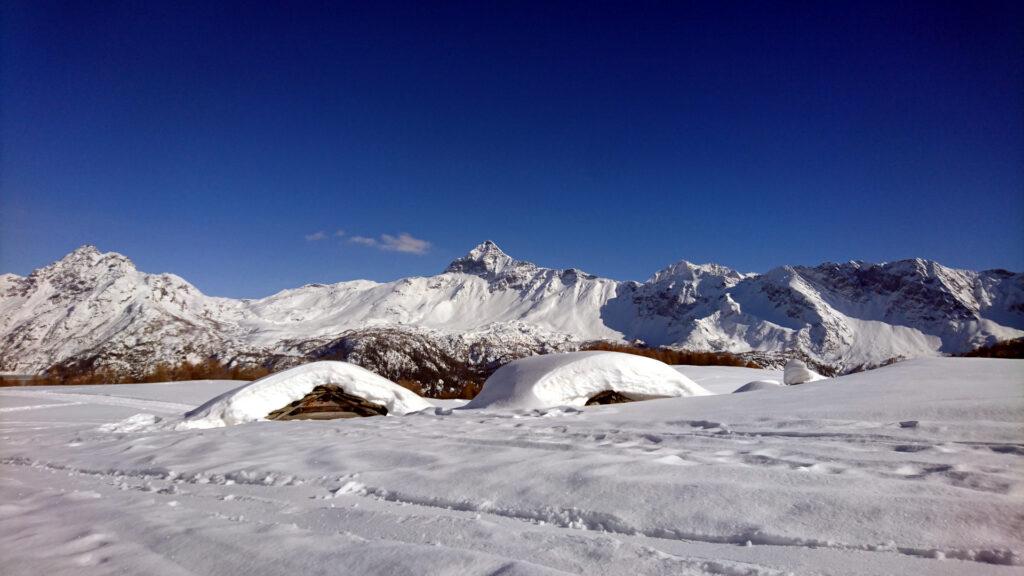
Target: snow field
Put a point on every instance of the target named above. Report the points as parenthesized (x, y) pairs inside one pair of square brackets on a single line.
[(819, 478)]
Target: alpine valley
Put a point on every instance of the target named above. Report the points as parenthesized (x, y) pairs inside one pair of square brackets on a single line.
[(487, 308)]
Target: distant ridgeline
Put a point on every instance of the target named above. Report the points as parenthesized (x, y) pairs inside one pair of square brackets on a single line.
[(93, 316)]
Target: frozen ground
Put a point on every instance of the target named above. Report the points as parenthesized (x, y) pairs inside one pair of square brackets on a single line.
[(815, 479)]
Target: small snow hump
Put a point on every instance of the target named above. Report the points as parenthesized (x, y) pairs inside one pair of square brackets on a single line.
[(758, 385), (797, 372), (580, 378)]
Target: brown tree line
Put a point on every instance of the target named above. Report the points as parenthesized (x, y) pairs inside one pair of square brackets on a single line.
[(1005, 349), (461, 380), (671, 356), (85, 373)]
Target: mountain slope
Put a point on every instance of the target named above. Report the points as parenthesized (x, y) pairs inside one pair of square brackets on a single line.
[(488, 307)]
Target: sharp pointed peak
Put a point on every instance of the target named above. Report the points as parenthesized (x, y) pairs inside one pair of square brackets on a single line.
[(484, 248), (485, 258)]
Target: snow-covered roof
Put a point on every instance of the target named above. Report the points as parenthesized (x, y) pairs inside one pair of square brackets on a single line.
[(572, 378), (254, 401)]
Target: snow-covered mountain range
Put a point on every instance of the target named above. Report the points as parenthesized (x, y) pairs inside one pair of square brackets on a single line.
[(488, 307)]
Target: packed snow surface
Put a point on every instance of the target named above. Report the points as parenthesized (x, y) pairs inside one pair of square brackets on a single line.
[(254, 401), (572, 378), (916, 468)]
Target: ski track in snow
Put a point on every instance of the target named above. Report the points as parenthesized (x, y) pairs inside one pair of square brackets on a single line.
[(38, 407), (614, 490)]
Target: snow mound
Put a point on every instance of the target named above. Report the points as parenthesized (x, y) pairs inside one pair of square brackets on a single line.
[(137, 423), (758, 385), (572, 378), (254, 401), (797, 372)]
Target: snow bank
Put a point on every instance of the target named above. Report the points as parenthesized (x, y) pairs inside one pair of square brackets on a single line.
[(256, 400), (758, 385), (797, 372), (572, 378)]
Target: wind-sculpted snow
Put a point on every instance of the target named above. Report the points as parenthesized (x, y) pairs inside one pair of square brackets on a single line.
[(488, 308), (797, 372), (819, 478), (573, 378)]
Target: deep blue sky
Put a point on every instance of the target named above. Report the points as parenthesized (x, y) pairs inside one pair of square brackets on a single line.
[(210, 141)]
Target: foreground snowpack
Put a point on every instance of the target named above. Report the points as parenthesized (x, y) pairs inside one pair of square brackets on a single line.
[(916, 468)]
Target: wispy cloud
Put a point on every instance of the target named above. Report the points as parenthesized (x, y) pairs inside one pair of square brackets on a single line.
[(363, 240), (404, 242), (321, 235)]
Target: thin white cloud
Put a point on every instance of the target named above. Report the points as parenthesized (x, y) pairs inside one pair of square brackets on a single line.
[(339, 233), (404, 242), (363, 240), (316, 236)]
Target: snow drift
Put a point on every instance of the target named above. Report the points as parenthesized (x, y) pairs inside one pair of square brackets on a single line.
[(758, 385), (254, 401), (572, 378), (797, 372)]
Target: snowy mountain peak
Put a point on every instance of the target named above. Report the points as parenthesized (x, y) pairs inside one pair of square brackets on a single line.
[(88, 263), (81, 257), (487, 252), (86, 250), (486, 259), (688, 271), (484, 248)]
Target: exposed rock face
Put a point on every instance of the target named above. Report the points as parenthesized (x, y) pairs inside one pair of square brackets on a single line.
[(488, 308)]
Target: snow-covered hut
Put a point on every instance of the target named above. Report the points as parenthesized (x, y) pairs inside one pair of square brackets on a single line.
[(319, 390), (581, 378)]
